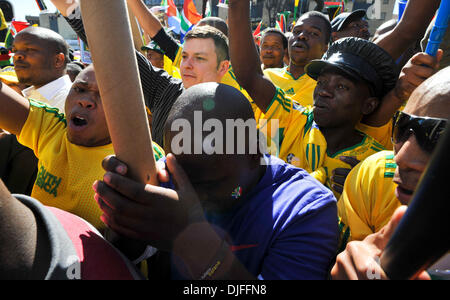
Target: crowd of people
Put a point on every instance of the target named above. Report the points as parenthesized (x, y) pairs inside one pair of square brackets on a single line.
[(291, 158)]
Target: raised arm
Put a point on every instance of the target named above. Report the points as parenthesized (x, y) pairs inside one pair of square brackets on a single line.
[(416, 18), (418, 69), (14, 109), (24, 252), (151, 25), (244, 56)]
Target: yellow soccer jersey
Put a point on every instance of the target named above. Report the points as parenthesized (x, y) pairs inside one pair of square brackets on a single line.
[(381, 134), (294, 137), (301, 143), (361, 151), (66, 171), (368, 200), (170, 68), (299, 89)]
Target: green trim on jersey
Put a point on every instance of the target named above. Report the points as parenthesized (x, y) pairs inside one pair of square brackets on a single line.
[(349, 148), (53, 110)]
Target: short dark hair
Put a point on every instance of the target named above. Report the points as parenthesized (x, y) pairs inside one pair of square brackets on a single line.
[(325, 20), (209, 32), (276, 31), (215, 22)]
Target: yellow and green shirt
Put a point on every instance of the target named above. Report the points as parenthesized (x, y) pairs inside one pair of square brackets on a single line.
[(299, 89), (382, 134), (368, 200), (296, 138), (66, 171)]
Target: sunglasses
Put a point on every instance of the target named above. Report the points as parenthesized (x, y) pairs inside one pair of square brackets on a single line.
[(426, 130)]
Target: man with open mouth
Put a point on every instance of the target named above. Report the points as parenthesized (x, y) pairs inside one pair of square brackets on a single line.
[(70, 148), (308, 41)]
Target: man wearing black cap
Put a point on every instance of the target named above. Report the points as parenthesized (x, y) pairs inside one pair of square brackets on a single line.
[(349, 24), (352, 78)]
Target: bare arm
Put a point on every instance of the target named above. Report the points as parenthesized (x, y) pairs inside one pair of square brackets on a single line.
[(416, 18), (65, 7), (244, 56), (14, 109), (147, 20), (24, 254), (418, 69)]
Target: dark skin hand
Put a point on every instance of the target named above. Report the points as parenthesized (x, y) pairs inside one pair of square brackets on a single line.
[(171, 220), (419, 68), (340, 174), (145, 207)]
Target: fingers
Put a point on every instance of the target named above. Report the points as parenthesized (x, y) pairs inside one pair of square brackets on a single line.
[(112, 164), (423, 59), (163, 175), (387, 231), (343, 269), (359, 261), (351, 160), (338, 188), (419, 68), (181, 180), (112, 202)]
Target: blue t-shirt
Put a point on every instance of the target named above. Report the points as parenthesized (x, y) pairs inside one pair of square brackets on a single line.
[(287, 228)]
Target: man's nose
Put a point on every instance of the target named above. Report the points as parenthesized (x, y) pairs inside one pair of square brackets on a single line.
[(86, 103)]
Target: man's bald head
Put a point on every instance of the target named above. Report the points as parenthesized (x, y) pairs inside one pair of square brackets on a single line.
[(55, 42), (432, 97), (212, 132), (215, 22), (218, 116), (215, 100), (40, 56)]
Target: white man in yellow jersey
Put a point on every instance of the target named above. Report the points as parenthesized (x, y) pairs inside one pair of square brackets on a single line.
[(70, 148), (377, 187), (313, 138)]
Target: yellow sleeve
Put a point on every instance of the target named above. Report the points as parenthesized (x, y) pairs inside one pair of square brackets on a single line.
[(320, 174), (274, 122), (3, 24), (230, 79), (170, 68), (41, 119), (368, 200), (177, 60)]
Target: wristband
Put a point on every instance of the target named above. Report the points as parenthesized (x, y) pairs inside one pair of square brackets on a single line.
[(218, 261)]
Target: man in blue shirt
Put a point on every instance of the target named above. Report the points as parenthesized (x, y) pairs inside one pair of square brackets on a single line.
[(232, 212)]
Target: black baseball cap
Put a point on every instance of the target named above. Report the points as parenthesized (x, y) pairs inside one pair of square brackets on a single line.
[(359, 59), (346, 17)]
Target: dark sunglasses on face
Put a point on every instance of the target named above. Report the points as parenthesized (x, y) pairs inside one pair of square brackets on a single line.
[(426, 130)]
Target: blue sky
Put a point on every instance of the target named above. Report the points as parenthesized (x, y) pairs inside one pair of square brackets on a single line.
[(28, 7)]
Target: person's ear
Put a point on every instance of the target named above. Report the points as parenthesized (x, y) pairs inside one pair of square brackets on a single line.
[(223, 67), (60, 61), (370, 105)]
